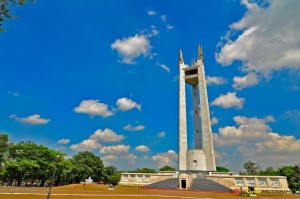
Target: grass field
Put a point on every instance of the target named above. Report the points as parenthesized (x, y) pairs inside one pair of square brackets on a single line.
[(77, 191)]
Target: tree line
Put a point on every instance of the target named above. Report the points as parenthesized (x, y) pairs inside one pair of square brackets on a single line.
[(32, 164), (29, 164)]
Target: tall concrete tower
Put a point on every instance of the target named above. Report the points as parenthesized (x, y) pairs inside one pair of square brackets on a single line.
[(201, 158)]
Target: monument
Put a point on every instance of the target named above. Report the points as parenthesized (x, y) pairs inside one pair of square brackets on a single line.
[(201, 158), (197, 166)]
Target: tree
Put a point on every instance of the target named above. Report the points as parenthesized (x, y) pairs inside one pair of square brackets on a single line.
[(167, 168), (293, 176), (222, 169), (27, 161), (144, 170), (86, 164), (3, 146), (268, 172), (250, 167), (112, 175), (5, 8)]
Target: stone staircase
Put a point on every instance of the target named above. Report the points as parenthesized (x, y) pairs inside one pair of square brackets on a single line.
[(172, 183), (198, 184), (208, 185)]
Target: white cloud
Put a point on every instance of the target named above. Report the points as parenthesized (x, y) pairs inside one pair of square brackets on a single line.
[(88, 144), (161, 134), (215, 80), (167, 158), (34, 119), (242, 82), (214, 121), (126, 104), (115, 149), (268, 38), (15, 94), (163, 66), (146, 157), (164, 18), (107, 135), (292, 115), (169, 27), (131, 158), (229, 100), (255, 140), (110, 158), (129, 127), (248, 129), (142, 148), (63, 141), (93, 108), (130, 48), (151, 12)]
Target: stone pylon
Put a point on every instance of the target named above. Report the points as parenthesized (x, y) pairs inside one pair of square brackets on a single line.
[(201, 158)]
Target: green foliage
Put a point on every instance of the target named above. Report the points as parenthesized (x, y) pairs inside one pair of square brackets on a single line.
[(144, 170), (29, 160), (112, 175), (167, 168), (293, 176), (5, 8), (268, 172), (250, 167), (222, 169), (86, 164), (3, 146)]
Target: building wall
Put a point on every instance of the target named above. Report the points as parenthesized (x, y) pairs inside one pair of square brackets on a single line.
[(142, 179), (258, 183)]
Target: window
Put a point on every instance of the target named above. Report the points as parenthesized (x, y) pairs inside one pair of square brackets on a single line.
[(195, 163), (239, 182)]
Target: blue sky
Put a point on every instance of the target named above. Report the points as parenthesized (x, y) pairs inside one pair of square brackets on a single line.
[(103, 76)]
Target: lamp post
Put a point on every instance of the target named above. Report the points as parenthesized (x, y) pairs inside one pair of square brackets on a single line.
[(49, 192)]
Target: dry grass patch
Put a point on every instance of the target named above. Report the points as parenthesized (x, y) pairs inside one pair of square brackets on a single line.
[(95, 191)]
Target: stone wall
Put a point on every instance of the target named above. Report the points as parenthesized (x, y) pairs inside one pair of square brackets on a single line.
[(142, 179), (257, 183)]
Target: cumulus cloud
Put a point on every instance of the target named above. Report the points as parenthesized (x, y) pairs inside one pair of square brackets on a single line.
[(255, 139), (106, 135), (215, 80), (167, 158), (129, 127), (34, 119), (110, 158), (125, 104), (115, 149), (242, 82), (95, 140), (130, 158), (142, 148), (93, 108), (161, 134), (214, 121), (268, 37), (130, 48), (88, 144), (248, 129), (63, 141), (229, 100)]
